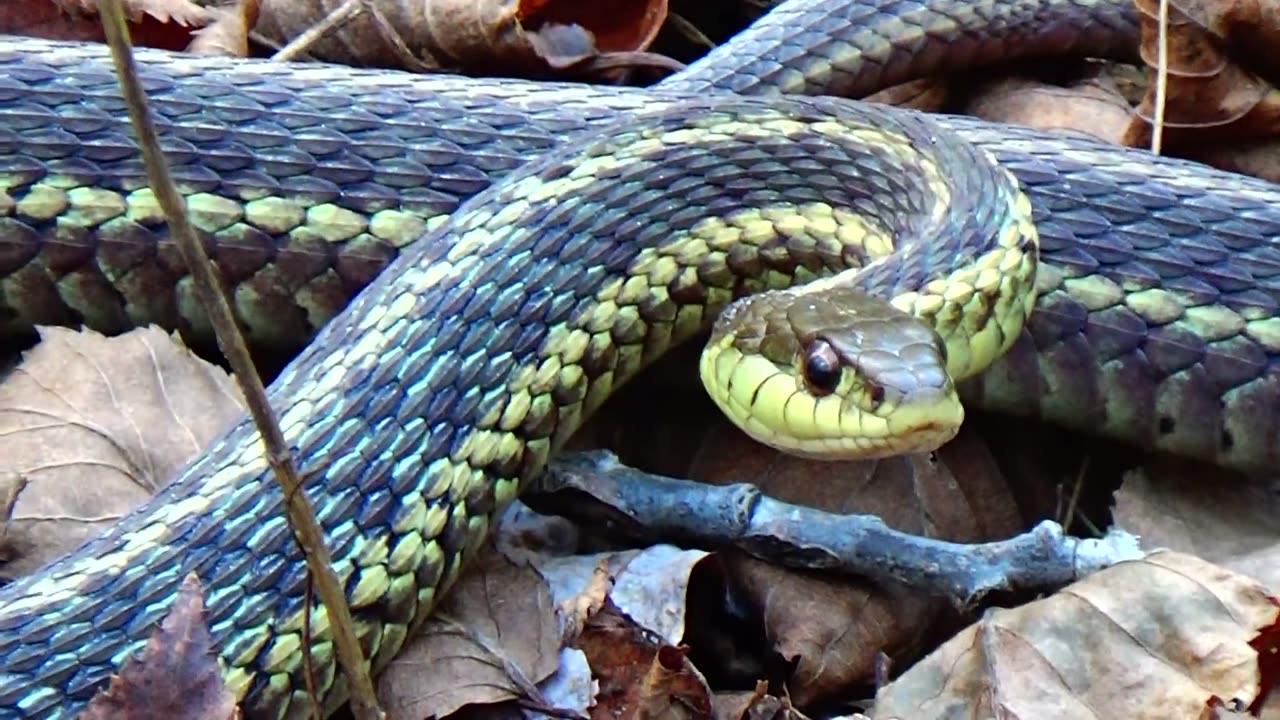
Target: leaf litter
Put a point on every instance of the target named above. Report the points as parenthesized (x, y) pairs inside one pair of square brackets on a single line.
[(1025, 659)]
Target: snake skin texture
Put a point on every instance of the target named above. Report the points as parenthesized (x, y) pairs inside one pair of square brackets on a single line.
[(1157, 321)]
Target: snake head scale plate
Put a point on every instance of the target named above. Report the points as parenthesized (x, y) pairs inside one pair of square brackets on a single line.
[(831, 375)]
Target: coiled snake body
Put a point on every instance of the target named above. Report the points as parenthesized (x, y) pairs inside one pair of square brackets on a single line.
[(418, 410)]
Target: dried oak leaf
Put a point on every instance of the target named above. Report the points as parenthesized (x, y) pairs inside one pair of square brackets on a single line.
[(1162, 638), (1209, 96), (94, 426), (834, 627), (493, 637), (1235, 524), (639, 675), (533, 38), (176, 677)]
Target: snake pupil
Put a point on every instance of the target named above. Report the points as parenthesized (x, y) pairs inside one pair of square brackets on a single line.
[(821, 368)]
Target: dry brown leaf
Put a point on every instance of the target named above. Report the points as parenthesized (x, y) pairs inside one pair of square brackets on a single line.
[(834, 627), (1093, 107), (493, 637), (177, 676), (95, 425), (153, 23), (1163, 638), (1210, 96), (1249, 28), (1234, 524), (534, 38), (672, 688), (638, 676)]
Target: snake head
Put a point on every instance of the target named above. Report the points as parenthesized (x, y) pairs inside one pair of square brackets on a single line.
[(834, 374)]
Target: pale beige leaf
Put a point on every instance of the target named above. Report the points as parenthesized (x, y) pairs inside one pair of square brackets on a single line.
[(1234, 523), (1162, 638), (94, 426), (648, 585), (494, 636)]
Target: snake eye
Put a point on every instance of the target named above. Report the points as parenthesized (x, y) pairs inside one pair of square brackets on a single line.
[(821, 368)]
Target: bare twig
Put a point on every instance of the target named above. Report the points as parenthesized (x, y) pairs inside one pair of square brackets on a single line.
[(652, 506), (340, 16), (1162, 77), (689, 31), (300, 515)]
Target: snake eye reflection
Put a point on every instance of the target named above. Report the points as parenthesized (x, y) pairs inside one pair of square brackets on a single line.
[(821, 368)]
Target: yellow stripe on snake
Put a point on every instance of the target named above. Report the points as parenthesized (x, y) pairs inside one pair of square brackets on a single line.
[(419, 410)]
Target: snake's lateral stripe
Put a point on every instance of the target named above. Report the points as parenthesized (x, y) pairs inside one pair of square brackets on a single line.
[(418, 413)]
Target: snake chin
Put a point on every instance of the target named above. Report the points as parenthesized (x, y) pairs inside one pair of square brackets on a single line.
[(911, 429)]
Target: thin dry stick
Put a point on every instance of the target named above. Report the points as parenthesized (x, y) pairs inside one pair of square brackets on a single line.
[(689, 31), (1073, 502), (298, 46), (1162, 77), (301, 518)]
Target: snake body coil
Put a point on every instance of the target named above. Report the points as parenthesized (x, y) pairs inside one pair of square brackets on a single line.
[(418, 412)]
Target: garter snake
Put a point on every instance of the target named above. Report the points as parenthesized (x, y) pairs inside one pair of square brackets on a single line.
[(1157, 319)]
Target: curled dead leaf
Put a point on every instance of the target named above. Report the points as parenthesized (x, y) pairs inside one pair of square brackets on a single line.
[(1209, 94), (1249, 29), (1232, 521)]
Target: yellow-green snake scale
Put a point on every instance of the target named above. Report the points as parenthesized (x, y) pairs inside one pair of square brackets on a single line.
[(527, 247)]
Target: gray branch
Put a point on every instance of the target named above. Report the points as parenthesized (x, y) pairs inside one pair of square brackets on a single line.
[(656, 508)]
